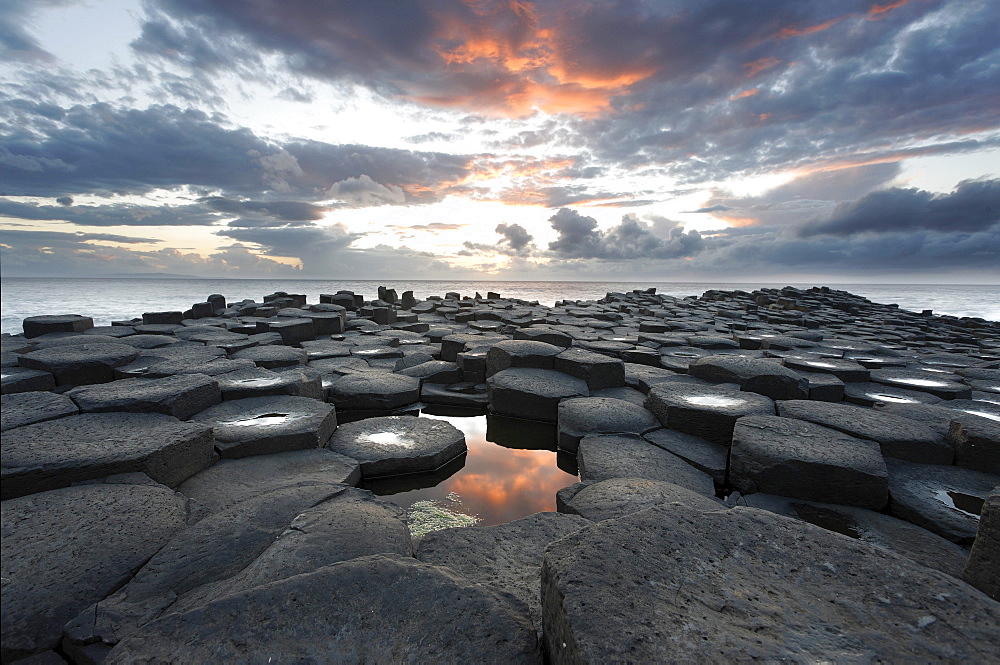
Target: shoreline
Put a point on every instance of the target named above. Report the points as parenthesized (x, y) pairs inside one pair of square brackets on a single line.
[(209, 458)]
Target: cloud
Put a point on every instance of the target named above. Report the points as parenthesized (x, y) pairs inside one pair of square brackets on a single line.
[(713, 208), (105, 149), (15, 42), (282, 210), (579, 238), (116, 214), (515, 241), (363, 192), (974, 205)]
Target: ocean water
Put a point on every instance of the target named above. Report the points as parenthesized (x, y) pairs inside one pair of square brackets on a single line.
[(113, 299)]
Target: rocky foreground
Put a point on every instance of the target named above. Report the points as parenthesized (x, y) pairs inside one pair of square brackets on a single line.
[(778, 475)]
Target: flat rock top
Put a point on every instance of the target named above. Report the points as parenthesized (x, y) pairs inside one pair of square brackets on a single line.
[(547, 382), (418, 444), (26, 408), (859, 421), (239, 418), (66, 549), (232, 481), (773, 439), (745, 584), (708, 398), (384, 608)]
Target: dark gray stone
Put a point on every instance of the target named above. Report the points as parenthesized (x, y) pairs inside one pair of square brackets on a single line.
[(532, 394), (799, 459), (374, 391), (36, 326), (898, 437), (434, 371), (847, 371), (19, 409), (232, 481), (617, 497), (704, 455), (272, 356), (385, 609), (195, 365), (923, 382), (268, 425), (546, 335), (745, 584), (764, 377), (943, 499), (983, 567), (975, 438), (604, 456), (870, 394), (581, 416), (599, 371), (22, 380), (57, 453), (395, 445), (506, 557), (520, 353), (64, 550), (180, 396), (80, 364), (919, 545), (215, 548), (708, 412), (259, 382)]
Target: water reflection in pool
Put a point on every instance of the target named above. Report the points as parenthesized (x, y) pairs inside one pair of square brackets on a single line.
[(510, 471)]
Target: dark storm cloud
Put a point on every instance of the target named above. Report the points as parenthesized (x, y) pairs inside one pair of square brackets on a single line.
[(105, 149), (49, 239), (974, 205), (283, 210), (119, 214), (580, 238), (515, 241), (15, 42)]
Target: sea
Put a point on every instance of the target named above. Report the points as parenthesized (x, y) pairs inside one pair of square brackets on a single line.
[(114, 299)]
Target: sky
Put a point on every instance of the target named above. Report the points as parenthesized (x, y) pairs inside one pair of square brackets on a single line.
[(676, 140)]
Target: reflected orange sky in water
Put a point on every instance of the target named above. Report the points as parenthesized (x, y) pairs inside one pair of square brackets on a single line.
[(497, 484)]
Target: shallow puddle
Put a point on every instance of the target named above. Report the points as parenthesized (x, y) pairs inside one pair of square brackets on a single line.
[(964, 503), (257, 421), (926, 383), (711, 400), (510, 471), (830, 520)]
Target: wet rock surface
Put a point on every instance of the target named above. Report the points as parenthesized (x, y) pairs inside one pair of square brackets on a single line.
[(398, 445), (741, 583), (843, 383)]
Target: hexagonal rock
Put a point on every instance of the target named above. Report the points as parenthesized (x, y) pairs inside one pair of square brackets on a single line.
[(348, 524), (604, 456), (546, 335), (708, 412), (755, 375), (19, 409), (745, 584), (975, 438), (520, 353), (434, 371), (798, 459), (80, 364), (898, 437), (378, 391), (983, 567), (59, 452), (386, 609), (180, 396), (845, 370), (23, 380), (923, 382), (581, 416), (214, 548), (234, 480), (396, 445), (273, 355), (943, 499), (702, 454), (268, 425), (196, 365), (514, 567), (598, 370), (259, 382), (870, 394), (36, 326), (532, 394), (452, 345), (917, 544), (617, 497), (67, 549)]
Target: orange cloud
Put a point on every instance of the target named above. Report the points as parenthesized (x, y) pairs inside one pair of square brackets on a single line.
[(757, 66), (809, 30), (877, 11), (518, 65), (746, 93)]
